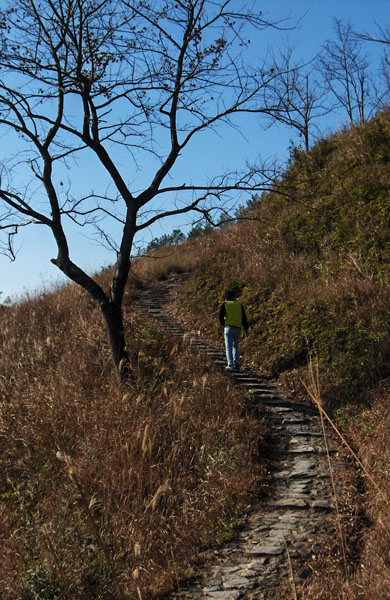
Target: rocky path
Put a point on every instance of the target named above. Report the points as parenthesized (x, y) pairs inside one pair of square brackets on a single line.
[(271, 551)]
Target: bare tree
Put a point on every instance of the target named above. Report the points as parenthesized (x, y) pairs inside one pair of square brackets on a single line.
[(294, 96), (80, 80), (382, 36), (346, 72)]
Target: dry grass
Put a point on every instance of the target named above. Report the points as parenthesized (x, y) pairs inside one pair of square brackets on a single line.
[(151, 475), (181, 258), (318, 280)]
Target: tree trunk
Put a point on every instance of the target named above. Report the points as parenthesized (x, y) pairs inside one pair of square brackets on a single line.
[(113, 319)]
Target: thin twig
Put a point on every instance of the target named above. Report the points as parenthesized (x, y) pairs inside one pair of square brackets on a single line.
[(175, 572), (291, 573), (334, 426), (73, 477), (45, 532), (316, 387), (366, 278)]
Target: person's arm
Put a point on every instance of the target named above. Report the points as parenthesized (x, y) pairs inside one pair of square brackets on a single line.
[(244, 319), (221, 314)]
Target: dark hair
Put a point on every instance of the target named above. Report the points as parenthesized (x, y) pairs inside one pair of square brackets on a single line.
[(229, 295)]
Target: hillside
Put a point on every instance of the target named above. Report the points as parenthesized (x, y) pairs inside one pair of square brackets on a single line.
[(312, 266), (98, 481)]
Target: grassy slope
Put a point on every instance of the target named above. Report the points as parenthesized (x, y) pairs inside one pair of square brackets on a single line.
[(162, 467), (313, 271)]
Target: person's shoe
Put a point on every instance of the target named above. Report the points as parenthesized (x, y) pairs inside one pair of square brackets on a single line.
[(229, 369), (236, 367)]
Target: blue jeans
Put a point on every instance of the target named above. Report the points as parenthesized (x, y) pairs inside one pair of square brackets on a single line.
[(232, 336)]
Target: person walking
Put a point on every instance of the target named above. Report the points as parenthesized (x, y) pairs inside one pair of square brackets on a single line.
[(232, 317)]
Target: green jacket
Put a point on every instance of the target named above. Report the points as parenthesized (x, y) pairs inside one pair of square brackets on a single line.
[(232, 314)]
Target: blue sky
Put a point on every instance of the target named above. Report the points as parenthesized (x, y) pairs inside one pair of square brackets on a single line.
[(32, 270)]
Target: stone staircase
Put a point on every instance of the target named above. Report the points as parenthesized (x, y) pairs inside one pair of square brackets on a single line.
[(284, 530)]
